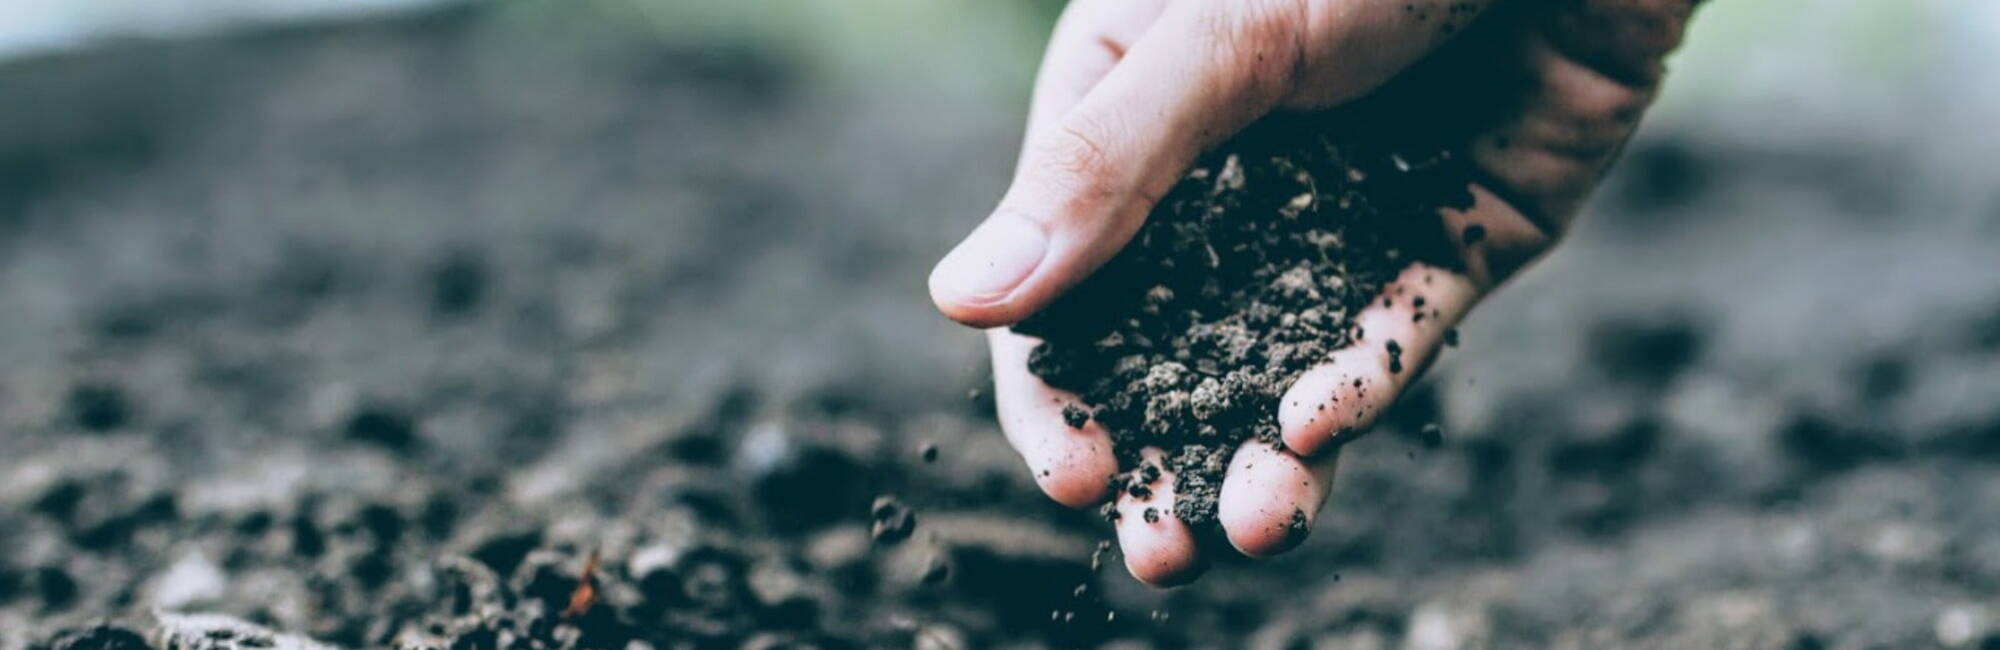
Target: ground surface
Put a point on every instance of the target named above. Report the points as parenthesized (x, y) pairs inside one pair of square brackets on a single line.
[(322, 329)]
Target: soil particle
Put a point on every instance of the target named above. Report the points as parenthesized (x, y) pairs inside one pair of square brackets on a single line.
[(1097, 556), (893, 522), (458, 283), (307, 540), (57, 588), (1884, 378), (12, 583), (1198, 473), (1249, 271), (99, 637), (1432, 435), (1075, 416), (1807, 641), (99, 407), (504, 551), (217, 632), (190, 580), (1647, 353), (1152, 515), (384, 426)]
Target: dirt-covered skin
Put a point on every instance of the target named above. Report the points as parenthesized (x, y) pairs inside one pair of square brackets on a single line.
[(1248, 272), (373, 333)]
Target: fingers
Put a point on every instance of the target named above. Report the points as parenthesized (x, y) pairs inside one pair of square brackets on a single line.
[(1271, 496), (1072, 465), (1159, 548), (1591, 73), (1627, 40), (1398, 334), (1089, 173), (1494, 240)]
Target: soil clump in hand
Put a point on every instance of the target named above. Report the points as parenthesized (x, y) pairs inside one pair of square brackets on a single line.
[(1249, 271)]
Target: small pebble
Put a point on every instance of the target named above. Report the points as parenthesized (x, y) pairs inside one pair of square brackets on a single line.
[(1433, 435), (893, 522)]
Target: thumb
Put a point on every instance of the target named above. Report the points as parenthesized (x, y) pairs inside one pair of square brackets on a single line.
[(1199, 74), (1086, 182)]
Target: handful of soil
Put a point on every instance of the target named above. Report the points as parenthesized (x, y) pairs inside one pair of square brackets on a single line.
[(1248, 272)]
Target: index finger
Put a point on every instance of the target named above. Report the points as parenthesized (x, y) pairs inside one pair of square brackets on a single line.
[(1073, 465)]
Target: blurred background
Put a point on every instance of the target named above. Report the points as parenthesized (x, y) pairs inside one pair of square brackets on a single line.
[(368, 320)]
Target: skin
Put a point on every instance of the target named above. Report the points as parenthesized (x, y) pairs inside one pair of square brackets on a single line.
[(1544, 94)]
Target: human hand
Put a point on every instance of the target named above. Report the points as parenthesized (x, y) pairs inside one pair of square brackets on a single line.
[(1541, 94)]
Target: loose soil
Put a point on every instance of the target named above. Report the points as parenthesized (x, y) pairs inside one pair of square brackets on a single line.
[(1248, 272)]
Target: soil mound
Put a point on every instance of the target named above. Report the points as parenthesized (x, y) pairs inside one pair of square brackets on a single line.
[(1249, 271)]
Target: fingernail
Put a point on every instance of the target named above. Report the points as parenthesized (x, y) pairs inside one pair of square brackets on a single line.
[(994, 259)]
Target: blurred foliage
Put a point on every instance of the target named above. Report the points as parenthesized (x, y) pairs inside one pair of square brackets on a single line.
[(971, 46), (1739, 48), (956, 46), (1745, 50), (1827, 62)]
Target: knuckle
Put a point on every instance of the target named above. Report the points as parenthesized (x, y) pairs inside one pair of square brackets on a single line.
[(1655, 26), (1083, 151), (1261, 41), (1623, 39), (1079, 170), (1252, 21)]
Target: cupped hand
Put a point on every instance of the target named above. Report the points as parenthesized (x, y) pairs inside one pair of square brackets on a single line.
[(1540, 93)]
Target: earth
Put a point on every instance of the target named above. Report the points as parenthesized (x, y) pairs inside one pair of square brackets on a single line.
[(1251, 270), (390, 333)]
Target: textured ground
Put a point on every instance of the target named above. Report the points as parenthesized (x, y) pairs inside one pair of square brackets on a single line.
[(304, 328)]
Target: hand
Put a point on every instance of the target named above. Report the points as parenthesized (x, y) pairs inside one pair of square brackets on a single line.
[(1540, 93)]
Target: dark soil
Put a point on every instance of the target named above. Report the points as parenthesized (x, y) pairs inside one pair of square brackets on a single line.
[(1249, 271)]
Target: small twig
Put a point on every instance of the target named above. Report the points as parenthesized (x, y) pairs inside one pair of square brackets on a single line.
[(585, 594)]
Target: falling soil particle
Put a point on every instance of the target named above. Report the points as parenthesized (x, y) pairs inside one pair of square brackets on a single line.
[(1433, 435), (100, 637), (1097, 556), (99, 407), (893, 521), (1248, 272)]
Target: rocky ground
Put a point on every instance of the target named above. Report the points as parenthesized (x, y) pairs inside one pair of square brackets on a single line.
[(374, 334)]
